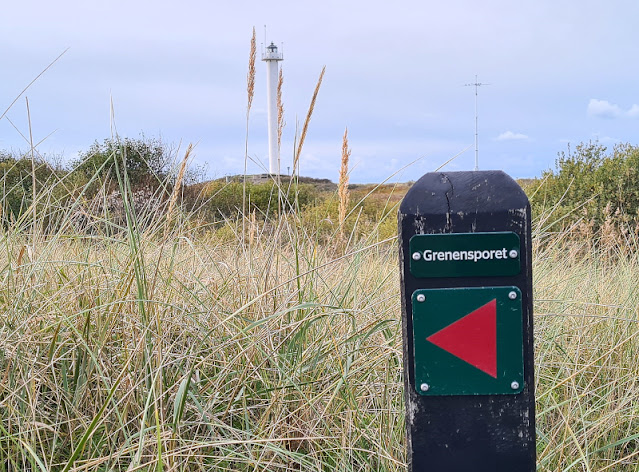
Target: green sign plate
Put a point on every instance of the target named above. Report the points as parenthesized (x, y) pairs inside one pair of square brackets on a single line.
[(468, 341), (465, 255)]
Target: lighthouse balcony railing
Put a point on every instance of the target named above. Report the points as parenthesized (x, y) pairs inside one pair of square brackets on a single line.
[(278, 56)]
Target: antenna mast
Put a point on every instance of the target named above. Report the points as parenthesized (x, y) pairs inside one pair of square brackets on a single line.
[(476, 85)]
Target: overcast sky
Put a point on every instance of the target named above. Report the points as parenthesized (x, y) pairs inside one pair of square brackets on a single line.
[(559, 72)]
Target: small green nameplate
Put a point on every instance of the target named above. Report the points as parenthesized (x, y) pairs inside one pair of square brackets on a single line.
[(465, 255)]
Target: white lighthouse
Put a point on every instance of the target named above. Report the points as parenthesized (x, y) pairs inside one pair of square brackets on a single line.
[(272, 57)]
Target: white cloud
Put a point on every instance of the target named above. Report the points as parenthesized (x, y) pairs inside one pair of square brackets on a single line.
[(510, 136), (605, 109)]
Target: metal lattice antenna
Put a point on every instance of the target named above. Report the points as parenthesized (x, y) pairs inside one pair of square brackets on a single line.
[(476, 85)]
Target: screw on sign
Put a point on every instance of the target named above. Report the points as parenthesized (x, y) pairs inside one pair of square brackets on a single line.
[(467, 323)]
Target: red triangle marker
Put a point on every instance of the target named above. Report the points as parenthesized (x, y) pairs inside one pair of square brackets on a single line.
[(472, 338)]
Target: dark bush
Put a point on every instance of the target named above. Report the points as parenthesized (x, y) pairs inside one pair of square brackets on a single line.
[(146, 162), (16, 182)]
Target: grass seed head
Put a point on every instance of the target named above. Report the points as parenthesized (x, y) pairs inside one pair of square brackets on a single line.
[(280, 111), (343, 182), (308, 119), (250, 77)]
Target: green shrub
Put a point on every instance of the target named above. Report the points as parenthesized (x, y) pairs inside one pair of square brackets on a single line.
[(589, 184), (146, 161), (226, 199), (16, 184)]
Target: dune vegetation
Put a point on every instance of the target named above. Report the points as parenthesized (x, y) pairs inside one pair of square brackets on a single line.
[(140, 336)]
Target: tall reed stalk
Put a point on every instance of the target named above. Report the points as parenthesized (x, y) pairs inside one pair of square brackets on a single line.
[(342, 191), (307, 121), (177, 187), (280, 111), (280, 128), (250, 91)]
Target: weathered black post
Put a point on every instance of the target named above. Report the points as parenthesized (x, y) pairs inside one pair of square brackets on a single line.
[(465, 261)]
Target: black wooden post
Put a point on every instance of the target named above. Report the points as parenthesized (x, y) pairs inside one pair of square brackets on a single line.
[(466, 279)]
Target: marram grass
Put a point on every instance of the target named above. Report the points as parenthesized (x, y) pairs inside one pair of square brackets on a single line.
[(147, 347), (587, 343)]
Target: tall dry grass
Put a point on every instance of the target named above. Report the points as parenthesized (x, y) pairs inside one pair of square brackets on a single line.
[(587, 338), (307, 121), (175, 194), (155, 349), (250, 92), (342, 187), (146, 348), (280, 110)]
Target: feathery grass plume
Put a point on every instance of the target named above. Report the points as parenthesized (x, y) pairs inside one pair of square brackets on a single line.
[(250, 88), (342, 190), (177, 187), (280, 111), (280, 128), (250, 76), (307, 121)]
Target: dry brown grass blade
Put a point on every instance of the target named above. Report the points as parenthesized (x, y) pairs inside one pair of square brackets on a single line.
[(177, 187), (342, 191), (33, 173), (307, 120), (32, 82)]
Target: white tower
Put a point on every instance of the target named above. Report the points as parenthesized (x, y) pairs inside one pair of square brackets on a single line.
[(272, 57)]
